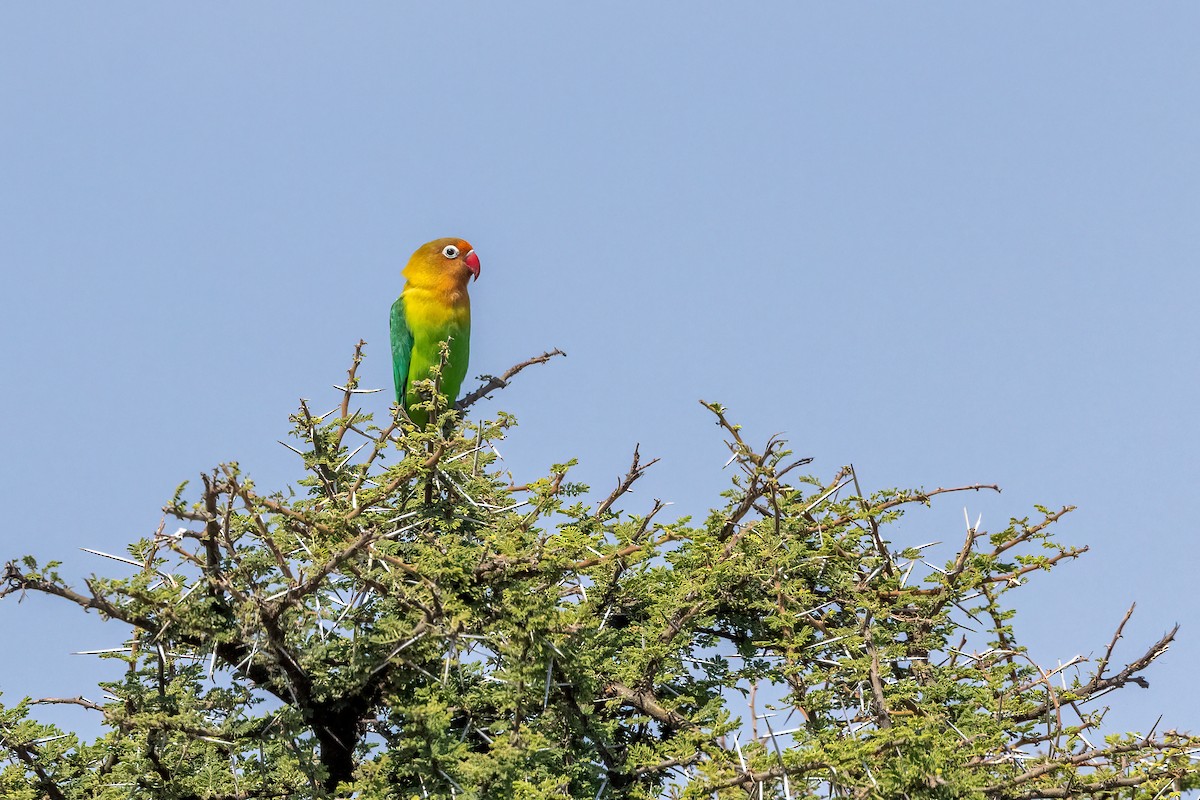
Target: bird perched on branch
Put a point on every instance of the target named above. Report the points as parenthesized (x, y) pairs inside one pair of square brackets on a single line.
[(433, 308)]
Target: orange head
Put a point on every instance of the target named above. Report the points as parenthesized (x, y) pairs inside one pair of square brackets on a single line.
[(443, 261)]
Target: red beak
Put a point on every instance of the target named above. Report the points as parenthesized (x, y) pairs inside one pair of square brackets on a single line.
[(472, 262)]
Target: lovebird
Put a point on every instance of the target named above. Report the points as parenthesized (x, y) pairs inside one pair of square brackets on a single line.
[(433, 307)]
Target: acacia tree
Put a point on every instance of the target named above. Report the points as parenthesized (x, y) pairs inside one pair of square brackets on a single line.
[(409, 623)]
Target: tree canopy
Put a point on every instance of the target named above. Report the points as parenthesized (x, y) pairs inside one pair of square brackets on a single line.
[(406, 622)]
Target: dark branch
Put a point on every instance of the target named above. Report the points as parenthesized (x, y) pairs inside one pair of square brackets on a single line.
[(493, 383)]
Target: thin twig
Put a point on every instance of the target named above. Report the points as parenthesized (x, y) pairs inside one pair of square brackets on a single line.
[(493, 383)]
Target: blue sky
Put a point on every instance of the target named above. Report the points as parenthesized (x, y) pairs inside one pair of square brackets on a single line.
[(951, 243)]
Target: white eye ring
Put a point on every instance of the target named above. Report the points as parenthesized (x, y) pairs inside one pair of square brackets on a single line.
[(450, 251)]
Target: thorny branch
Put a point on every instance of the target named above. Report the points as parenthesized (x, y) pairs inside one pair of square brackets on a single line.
[(762, 469), (793, 588), (1093, 755), (493, 383), (348, 391), (1098, 683), (635, 471)]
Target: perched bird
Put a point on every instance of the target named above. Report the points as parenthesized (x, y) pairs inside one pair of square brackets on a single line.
[(433, 308)]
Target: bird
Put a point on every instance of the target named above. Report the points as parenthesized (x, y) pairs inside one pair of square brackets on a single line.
[(433, 307)]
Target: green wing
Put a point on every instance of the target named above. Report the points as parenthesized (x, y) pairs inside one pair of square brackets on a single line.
[(402, 347)]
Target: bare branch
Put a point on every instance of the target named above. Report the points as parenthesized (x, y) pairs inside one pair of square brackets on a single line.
[(348, 392), (636, 470), (75, 701), (1098, 683), (493, 383)]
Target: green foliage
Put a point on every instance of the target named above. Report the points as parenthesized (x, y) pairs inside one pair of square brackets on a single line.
[(410, 624)]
